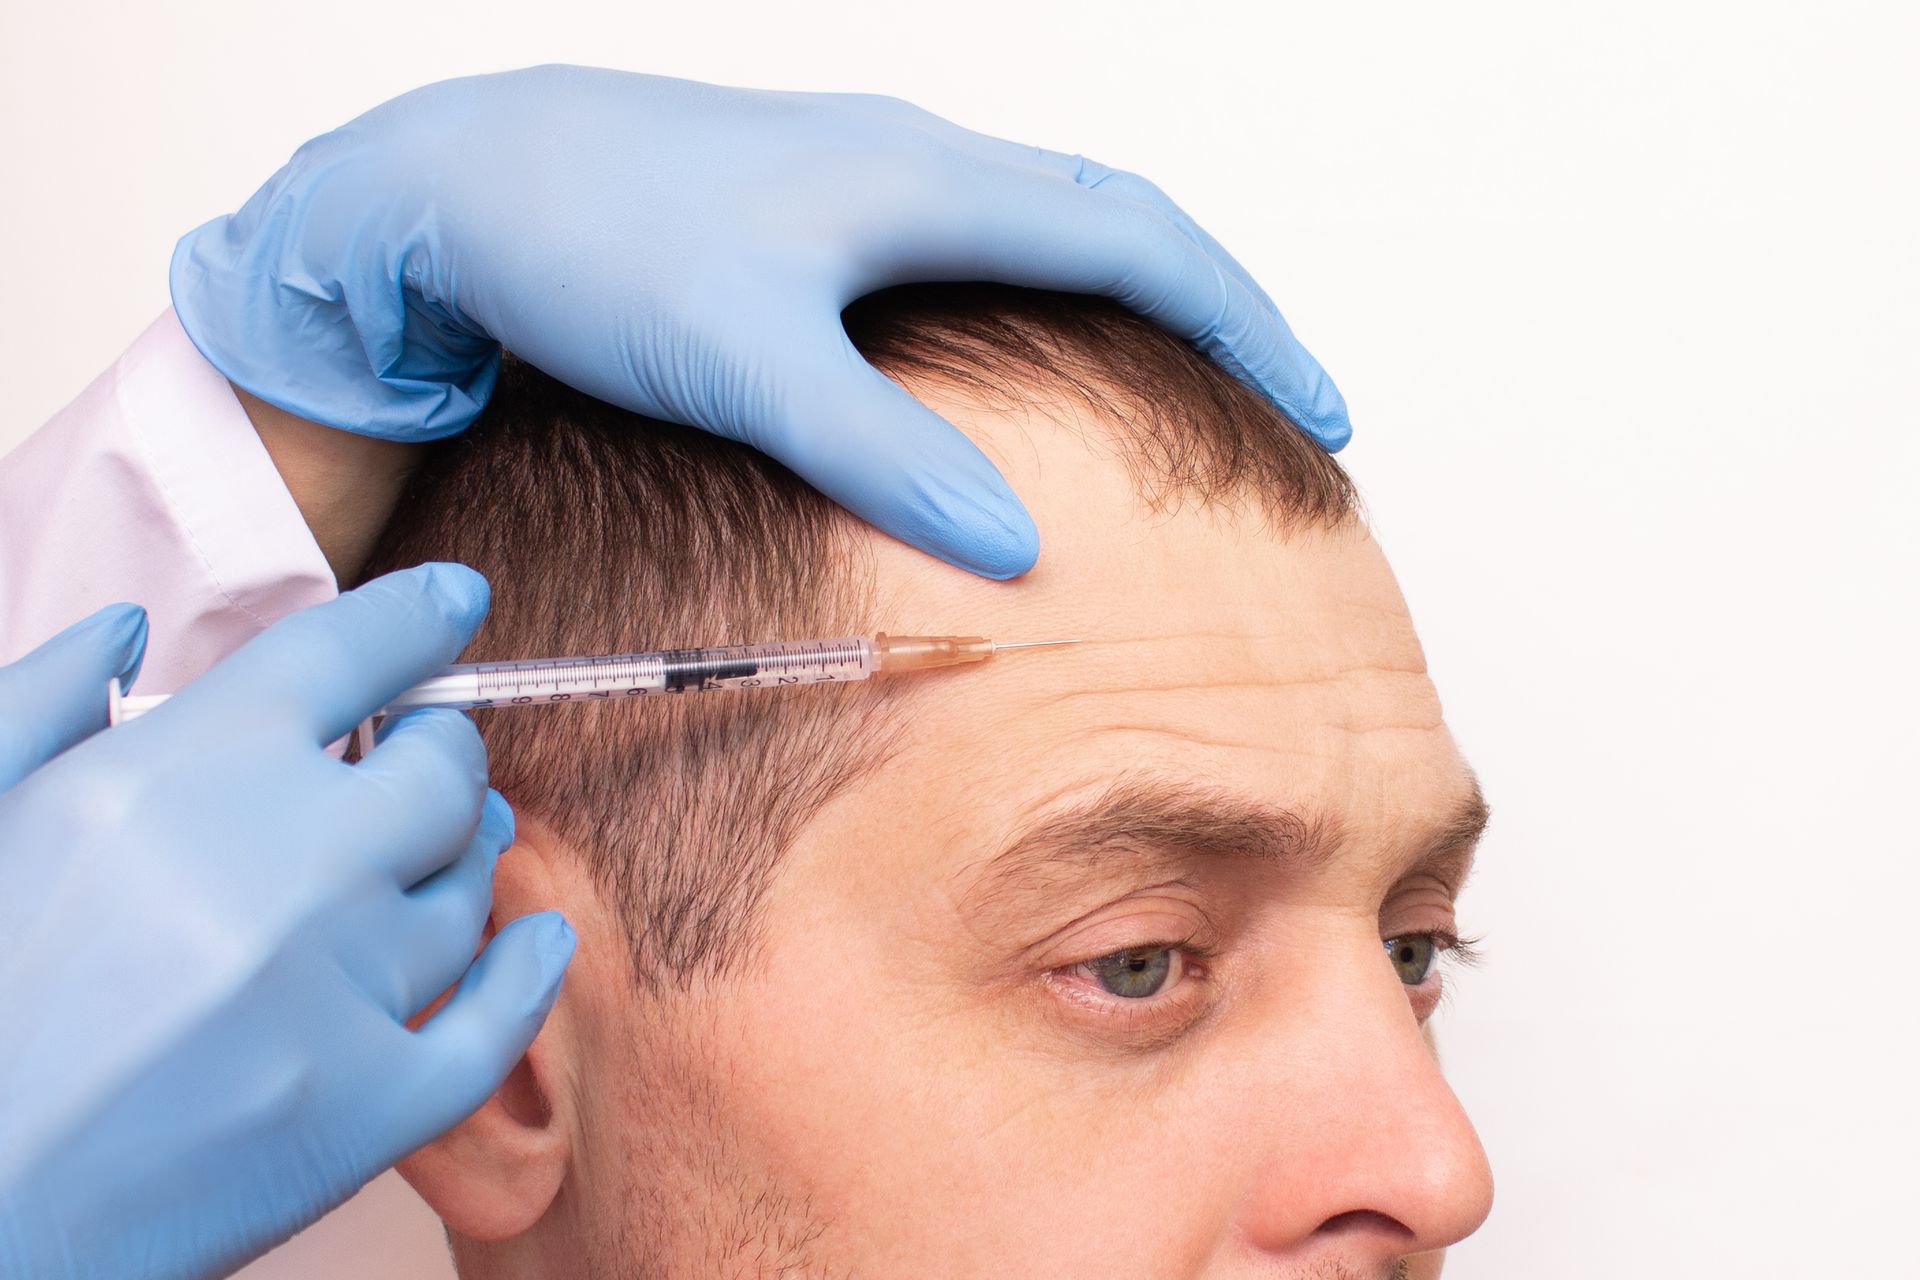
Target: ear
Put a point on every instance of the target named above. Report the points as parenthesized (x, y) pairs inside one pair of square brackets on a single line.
[(494, 1175)]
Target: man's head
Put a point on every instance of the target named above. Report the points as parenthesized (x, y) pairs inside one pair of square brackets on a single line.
[(1069, 964)]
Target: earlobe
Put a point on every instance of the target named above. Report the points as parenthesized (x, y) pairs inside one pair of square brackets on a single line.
[(495, 1174)]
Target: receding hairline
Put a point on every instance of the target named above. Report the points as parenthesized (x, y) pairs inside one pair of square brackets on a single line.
[(1184, 428)]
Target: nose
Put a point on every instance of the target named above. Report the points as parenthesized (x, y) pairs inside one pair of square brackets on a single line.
[(1366, 1155)]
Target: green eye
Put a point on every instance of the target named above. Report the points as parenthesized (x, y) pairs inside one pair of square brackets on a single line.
[(1136, 973), (1412, 957)]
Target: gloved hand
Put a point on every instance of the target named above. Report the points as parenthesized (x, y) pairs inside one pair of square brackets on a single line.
[(213, 932), (685, 251)]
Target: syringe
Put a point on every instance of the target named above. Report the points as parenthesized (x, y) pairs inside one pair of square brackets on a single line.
[(550, 681)]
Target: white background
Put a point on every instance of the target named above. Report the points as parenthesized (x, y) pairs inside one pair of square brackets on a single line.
[(1624, 300)]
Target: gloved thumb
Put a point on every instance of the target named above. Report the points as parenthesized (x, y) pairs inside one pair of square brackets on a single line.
[(57, 695), (467, 1048), (864, 441)]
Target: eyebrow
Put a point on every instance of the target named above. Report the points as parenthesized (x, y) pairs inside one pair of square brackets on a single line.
[(1159, 817)]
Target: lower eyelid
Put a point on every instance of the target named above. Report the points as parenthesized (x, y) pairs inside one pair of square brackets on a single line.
[(1426, 997), (1436, 988)]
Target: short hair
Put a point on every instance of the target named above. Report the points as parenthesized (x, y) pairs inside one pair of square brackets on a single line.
[(603, 531)]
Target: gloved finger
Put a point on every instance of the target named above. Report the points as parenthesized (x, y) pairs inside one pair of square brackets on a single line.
[(1090, 173), (444, 915), (57, 694), (469, 1046), (861, 439), (1095, 176), (419, 794), (327, 668), (1027, 228)]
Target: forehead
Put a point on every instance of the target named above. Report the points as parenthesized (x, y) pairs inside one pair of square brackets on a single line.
[(1277, 666)]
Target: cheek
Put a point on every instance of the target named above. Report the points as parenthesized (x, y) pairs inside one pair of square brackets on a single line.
[(899, 1113)]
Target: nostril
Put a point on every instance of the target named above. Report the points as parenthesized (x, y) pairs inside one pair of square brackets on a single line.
[(1363, 1222)]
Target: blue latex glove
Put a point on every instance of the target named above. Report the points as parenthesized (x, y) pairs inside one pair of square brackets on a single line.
[(685, 251), (214, 931)]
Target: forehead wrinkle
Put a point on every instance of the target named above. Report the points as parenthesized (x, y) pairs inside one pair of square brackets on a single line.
[(1403, 651), (1416, 703), (1243, 683), (1194, 737)]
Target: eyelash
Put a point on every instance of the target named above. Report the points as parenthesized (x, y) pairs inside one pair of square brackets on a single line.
[(1456, 950)]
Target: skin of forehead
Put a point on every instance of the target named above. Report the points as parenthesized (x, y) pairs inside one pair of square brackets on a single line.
[(1283, 666)]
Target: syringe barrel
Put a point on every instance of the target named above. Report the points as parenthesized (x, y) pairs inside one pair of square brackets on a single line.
[(790, 663), (612, 677)]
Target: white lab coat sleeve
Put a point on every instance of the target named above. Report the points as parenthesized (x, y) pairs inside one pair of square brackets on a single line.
[(153, 487)]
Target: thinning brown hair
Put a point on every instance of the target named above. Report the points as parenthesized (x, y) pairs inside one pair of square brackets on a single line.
[(602, 531)]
